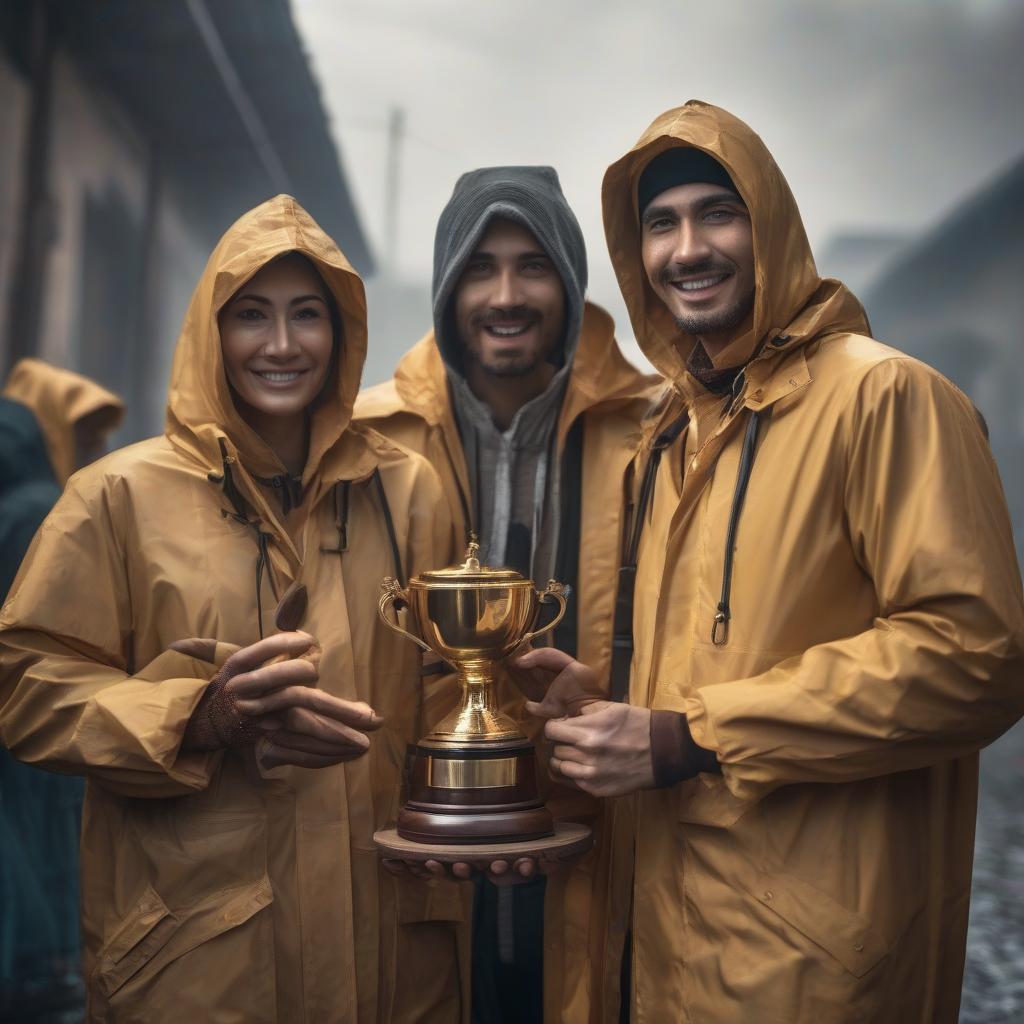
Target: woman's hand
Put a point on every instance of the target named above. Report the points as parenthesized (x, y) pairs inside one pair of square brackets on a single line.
[(265, 695)]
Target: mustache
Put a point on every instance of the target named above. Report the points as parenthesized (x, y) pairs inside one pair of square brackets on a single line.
[(705, 267), (498, 314)]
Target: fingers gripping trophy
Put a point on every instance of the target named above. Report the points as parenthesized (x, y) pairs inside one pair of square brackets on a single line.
[(473, 786)]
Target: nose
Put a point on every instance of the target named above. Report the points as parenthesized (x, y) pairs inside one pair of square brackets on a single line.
[(506, 289), (280, 344), (691, 244)]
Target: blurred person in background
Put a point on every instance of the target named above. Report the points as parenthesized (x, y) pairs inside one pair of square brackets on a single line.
[(72, 417), (828, 623), (228, 868), (52, 422), (522, 401)]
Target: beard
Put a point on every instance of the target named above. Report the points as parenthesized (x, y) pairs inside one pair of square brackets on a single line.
[(716, 323), (518, 364), (512, 366), (709, 323)]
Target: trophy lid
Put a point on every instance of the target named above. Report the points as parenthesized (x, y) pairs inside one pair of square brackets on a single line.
[(471, 571)]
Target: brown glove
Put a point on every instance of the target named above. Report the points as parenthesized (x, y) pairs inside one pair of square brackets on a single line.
[(217, 722)]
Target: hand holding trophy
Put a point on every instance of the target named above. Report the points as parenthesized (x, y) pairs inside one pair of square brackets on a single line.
[(473, 788)]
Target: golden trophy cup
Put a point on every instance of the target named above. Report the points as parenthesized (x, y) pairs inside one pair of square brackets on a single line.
[(473, 780)]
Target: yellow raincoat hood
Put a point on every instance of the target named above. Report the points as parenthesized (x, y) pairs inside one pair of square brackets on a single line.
[(59, 399), (779, 242), (200, 408)]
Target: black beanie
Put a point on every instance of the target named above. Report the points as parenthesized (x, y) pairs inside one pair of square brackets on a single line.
[(681, 165)]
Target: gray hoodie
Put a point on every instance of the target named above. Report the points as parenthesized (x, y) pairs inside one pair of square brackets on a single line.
[(514, 475)]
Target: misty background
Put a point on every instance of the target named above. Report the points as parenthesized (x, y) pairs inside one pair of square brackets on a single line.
[(133, 132)]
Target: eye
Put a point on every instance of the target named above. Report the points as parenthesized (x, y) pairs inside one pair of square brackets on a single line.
[(307, 313), (250, 313), (478, 268), (536, 268), (658, 224)]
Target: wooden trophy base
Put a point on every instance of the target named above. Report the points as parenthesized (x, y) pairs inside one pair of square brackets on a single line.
[(569, 840), (474, 793)]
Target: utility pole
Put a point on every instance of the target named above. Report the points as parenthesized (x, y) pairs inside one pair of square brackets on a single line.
[(396, 131)]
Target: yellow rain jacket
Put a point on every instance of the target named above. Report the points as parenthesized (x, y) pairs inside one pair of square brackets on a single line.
[(872, 641), (59, 399), (210, 891), (610, 398)]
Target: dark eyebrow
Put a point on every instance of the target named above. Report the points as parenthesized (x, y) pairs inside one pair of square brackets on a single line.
[(720, 197), (263, 301), (655, 212), (534, 256)]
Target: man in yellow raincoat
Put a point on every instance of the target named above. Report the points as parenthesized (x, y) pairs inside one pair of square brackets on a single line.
[(828, 623), (525, 406), (221, 879)]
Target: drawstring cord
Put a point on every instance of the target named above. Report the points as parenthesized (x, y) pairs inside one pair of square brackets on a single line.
[(720, 627), (389, 524), (341, 514), (231, 492), (622, 627)]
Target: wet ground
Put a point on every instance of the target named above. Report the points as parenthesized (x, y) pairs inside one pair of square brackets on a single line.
[(994, 975)]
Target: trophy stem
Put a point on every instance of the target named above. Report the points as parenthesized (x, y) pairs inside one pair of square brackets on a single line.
[(477, 721)]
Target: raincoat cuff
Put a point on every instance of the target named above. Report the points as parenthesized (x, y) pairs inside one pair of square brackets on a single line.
[(701, 728), (674, 754)]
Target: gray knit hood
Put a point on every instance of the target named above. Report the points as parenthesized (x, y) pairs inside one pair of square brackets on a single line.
[(531, 196)]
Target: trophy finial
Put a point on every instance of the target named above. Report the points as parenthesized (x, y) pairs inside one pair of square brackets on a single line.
[(472, 562)]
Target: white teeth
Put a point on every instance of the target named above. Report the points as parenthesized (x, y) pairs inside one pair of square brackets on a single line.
[(277, 378), (704, 282), (508, 332)]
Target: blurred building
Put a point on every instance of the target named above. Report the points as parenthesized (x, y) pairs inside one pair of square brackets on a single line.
[(856, 257), (132, 133), (955, 299)]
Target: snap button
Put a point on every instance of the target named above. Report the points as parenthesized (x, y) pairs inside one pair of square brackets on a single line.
[(756, 396), (859, 947), (768, 896)]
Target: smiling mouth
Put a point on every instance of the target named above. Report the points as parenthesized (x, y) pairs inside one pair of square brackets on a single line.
[(505, 331), (278, 376), (699, 284)]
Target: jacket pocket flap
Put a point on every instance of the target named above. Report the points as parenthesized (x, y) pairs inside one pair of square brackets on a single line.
[(843, 933), (145, 930), (153, 932)]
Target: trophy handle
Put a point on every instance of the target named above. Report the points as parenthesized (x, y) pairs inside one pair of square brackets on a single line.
[(557, 591), (393, 593)]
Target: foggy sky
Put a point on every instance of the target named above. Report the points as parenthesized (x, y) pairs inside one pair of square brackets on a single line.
[(880, 114)]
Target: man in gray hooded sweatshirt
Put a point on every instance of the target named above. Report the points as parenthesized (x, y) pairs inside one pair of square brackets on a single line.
[(514, 397)]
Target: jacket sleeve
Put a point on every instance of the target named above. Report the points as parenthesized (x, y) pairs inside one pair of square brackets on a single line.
[(70, 699), (940, 673)]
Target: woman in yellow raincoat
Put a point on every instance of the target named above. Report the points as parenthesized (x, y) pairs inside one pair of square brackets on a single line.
[(222, 878)]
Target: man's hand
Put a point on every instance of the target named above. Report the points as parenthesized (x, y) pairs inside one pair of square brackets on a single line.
[(606, 750), (277, 707), (555, 684)]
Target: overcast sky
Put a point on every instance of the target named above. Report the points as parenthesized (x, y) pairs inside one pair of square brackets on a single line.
[(881, 114)]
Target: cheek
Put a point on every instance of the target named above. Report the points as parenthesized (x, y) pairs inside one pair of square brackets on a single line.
[(236, 346), (652, 256), (467, 300), (317, 341)]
